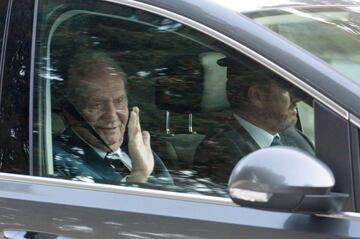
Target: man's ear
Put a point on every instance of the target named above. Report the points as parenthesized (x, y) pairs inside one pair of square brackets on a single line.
[(256, 96)]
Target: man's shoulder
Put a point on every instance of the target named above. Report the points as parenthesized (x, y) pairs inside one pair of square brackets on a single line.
[(70, 147), (74, 159), (232, 133), (296, 138), (230, 142)]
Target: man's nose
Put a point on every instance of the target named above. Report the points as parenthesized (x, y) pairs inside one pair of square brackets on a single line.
[(110, 110)]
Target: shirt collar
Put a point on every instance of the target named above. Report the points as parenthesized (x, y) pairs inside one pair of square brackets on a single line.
[(103, 153), (261, 136), (123, 156)]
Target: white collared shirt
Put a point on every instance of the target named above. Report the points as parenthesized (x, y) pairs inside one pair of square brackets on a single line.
[(261, 136), (125, 159), (122, 155)]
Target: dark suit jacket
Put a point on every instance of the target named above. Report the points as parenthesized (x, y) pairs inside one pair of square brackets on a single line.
[(217, 155), (74, 159)]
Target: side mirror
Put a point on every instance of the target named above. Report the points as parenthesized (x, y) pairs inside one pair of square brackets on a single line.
[(284, 179)]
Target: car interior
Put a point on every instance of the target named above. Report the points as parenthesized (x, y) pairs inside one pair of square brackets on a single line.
[(173, 77)]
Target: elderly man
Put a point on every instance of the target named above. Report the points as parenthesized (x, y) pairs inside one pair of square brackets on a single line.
[(95, 147), (264, 112)]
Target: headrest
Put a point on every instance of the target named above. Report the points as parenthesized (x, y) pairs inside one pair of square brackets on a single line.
[(179, 85)]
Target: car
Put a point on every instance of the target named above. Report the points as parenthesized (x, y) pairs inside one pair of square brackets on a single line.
[(183, 64)]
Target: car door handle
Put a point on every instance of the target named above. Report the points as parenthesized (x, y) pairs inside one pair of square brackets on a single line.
[(22, 234)]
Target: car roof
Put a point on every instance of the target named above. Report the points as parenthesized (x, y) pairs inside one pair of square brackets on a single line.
[(258, 5)]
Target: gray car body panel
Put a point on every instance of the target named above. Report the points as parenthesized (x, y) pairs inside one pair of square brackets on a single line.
[(95, 211), (82, 210)]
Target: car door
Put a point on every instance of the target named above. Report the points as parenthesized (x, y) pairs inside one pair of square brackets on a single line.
[(166, 61)]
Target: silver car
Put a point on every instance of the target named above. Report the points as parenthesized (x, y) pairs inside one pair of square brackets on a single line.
[(251, 115)]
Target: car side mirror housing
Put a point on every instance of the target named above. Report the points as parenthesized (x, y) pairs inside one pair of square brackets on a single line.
[(284, 179)]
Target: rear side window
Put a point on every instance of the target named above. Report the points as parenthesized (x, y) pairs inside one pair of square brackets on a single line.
[(15, 84), (106, 72), (3, 10)]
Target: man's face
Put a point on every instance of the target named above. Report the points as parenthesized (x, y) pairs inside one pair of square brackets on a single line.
[(103, 103), (278, 108)]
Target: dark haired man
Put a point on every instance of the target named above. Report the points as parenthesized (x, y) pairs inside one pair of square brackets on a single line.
[(264, 111)]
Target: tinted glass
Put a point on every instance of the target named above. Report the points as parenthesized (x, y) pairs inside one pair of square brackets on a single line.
[(330, 33), (204, 105), (14, 109), (3, 9)]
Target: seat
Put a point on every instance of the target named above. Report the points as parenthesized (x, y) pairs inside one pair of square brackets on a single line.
[(178, 91), (189, 86)]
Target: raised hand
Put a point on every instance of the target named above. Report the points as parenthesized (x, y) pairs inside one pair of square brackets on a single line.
[(141, 155)]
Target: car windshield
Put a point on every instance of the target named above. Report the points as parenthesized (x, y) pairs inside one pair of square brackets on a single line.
[(331, 33)]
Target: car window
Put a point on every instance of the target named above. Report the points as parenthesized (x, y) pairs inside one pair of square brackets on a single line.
[(107, 72), (3, 9), (331, 33), (15, 94)]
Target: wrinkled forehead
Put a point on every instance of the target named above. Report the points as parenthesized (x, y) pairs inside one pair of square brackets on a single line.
[(96, 71), (98, 83), (95, 80)]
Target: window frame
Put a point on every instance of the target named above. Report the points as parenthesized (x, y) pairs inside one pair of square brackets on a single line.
[(47, 120), (4, 33), (16, 73), (333, 147), (342, 112)]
